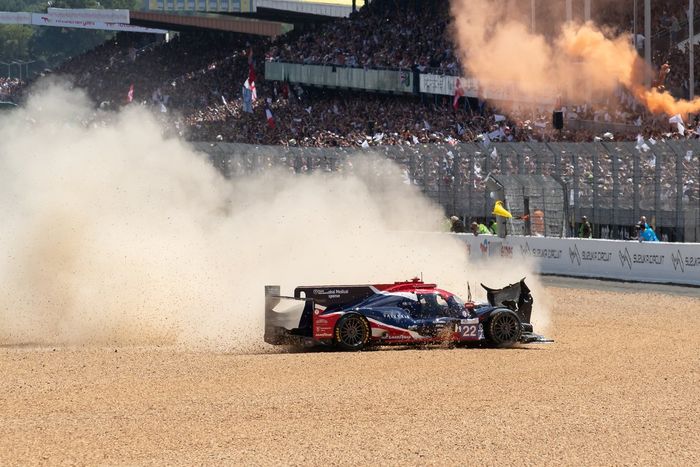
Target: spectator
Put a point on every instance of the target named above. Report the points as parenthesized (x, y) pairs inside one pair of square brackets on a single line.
[(585, 230), (457, 225), (646, 233), (493, 227), (478, 228)]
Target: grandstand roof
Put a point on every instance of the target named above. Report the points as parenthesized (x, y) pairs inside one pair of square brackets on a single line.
[(209, 21)]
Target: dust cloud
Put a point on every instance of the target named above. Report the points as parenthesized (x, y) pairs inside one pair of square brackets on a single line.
[(582, 60), (115, 235)]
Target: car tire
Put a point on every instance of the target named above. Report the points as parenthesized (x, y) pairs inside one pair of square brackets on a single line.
[(503, 329), (352, 332)]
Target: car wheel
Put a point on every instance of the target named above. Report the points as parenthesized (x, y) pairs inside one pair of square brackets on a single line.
[(352, 332), (503, 329)]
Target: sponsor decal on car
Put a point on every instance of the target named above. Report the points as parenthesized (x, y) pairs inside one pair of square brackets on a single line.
[(323, 331), (331, 293)]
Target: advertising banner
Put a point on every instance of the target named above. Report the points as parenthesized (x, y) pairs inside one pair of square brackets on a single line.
[(445, 85), (8, 17), (673, 263), (89, 14), (40, 19)]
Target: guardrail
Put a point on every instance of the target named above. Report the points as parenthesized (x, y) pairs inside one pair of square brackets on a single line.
[(669, 263)]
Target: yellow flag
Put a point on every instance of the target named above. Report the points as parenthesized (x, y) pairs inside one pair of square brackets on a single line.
[(499, 210)]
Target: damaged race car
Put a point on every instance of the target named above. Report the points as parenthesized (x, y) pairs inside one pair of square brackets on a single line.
[(352, 317)]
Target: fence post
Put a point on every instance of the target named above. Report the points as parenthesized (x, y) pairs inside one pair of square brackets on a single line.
[(470, 183), (521, 163), (657, 187), (485, 169), (456, 180), (577, 189), (501, 162), (616, 189), (636, 180), (679, 227), (680, 224), (594, 187)]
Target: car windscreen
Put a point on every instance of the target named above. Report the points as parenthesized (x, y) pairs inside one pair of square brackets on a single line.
[(381, 300)]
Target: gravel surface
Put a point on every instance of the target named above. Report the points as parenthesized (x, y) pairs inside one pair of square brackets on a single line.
[(621, 385)]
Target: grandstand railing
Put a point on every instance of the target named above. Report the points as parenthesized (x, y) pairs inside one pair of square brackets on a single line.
[(398, 81), (612, 183), (391, 80)]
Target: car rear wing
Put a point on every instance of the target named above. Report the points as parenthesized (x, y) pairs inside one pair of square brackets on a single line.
[(516, 296), (287, 319)]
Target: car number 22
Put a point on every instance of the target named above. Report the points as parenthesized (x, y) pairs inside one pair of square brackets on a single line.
[(467, 330)]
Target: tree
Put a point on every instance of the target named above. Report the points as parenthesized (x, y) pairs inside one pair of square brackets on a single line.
[(14, 41)]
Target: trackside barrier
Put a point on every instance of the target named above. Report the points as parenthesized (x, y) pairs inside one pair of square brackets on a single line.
[(670, 263)]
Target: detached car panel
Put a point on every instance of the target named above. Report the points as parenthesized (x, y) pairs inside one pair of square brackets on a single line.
[(411, 312)]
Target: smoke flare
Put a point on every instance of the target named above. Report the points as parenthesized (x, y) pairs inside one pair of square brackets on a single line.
[(583, 60)]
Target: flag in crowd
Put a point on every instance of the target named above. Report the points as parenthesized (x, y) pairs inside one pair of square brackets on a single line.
[(251, 74), (270, 117), (641, 145), (459, 92), (249, 92), (678, 120)]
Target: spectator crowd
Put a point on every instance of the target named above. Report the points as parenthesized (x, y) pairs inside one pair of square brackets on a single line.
[(194, 82)]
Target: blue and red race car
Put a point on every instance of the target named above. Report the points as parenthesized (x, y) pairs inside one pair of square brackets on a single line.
[(352, 317)]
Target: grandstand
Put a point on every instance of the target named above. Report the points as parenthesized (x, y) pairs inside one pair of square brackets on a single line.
[(383, 78)]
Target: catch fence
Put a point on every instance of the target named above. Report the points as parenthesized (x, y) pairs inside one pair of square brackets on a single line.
[(613, 183)]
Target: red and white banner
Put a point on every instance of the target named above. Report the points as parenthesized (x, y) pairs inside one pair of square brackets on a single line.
[(40, 19), (89, 14)]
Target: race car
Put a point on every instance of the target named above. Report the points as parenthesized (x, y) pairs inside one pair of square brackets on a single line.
[(352, 317)]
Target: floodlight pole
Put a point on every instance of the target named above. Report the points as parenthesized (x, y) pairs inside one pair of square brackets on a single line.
[(533, 22), (587, 10), (569, 10), (647, 38), (691, 47), (634, 25)]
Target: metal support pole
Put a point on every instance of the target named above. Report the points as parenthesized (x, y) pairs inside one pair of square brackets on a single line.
[(636, 182), (679, 228), (658, 176), (691, 47), (647, 38), (533, 16), (616, 187), (594, 187), (569, 10), (586, 10), (470, 183), (577, 189)]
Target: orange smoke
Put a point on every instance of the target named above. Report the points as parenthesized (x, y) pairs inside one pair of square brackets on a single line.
[(663, 102), (497, 48)]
